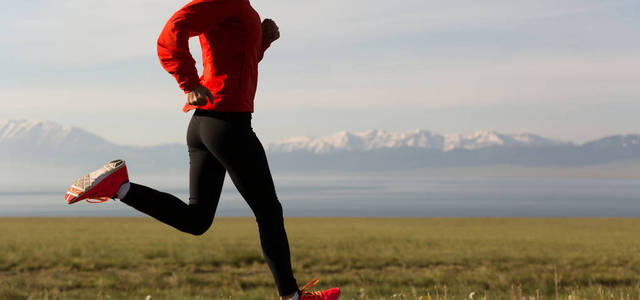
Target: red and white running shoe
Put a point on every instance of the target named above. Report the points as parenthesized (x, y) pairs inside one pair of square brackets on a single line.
[(99, 185), (330, 294)]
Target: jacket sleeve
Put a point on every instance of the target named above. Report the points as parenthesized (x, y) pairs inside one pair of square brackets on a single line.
[(173, 43)]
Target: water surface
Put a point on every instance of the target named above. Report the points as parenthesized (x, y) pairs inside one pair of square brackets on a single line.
[(388, 196)]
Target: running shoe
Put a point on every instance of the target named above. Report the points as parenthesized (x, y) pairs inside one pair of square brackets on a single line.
[(330, 294), (99, 185)]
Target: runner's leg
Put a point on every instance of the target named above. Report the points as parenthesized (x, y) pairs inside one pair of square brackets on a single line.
[(206, 177), (236, 146)]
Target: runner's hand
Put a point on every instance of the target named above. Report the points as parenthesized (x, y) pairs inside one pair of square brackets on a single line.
[(199, 96), (270, 31)]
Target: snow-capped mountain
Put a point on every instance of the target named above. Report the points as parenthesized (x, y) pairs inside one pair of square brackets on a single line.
[(33, 133), (39, 143), (615, 142), (417, 138), (44, 142)]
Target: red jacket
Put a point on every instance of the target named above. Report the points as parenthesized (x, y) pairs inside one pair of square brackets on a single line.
[(230, 33)]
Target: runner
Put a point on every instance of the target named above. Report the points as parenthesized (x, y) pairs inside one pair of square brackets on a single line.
[(220, 138)]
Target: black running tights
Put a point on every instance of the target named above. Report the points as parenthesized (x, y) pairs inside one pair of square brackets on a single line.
[(221, 142)]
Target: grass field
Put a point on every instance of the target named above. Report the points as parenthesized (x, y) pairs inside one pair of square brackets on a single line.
[(369, 258)]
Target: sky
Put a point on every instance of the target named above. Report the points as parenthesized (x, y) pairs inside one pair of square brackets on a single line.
[(562, 69)]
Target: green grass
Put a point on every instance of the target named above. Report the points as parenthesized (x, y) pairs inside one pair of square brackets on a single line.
[(369, 258)]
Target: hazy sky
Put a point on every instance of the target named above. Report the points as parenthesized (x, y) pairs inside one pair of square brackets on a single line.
[(564, 69)]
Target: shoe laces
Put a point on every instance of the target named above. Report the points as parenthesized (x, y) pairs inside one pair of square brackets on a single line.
[(310, 284)]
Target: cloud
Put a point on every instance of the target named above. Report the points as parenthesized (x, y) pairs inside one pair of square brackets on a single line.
[(72, 32), (69, 57), (80, 32), (416, 52), (362, 19)]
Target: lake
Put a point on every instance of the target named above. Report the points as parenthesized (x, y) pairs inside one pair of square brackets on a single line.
[(386, 196)]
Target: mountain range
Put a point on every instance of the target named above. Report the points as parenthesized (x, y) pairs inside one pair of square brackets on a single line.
[(48, 143), (421, 139)]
